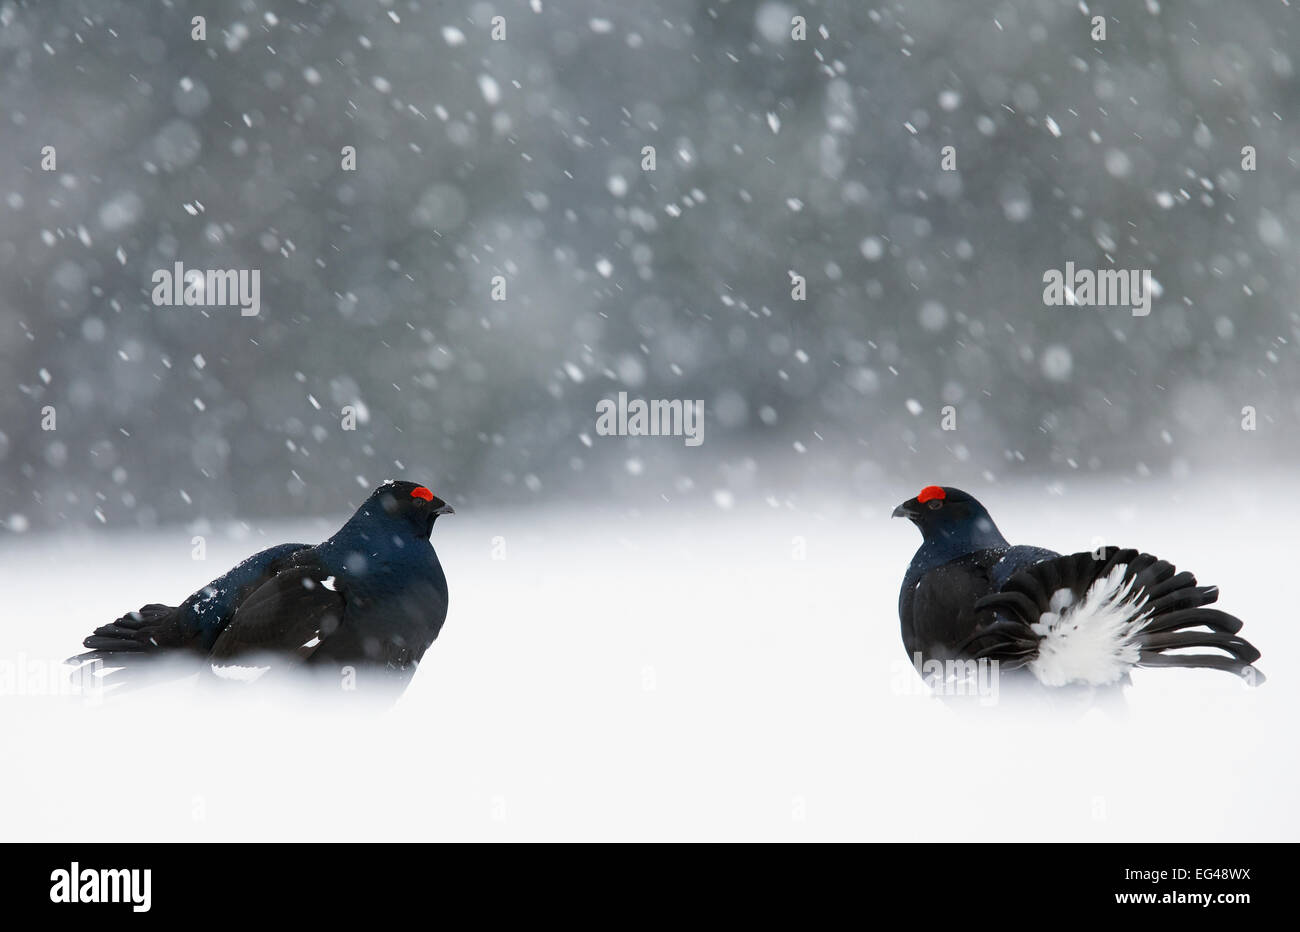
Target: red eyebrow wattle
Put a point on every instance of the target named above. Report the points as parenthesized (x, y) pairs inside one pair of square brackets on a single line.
[(422, 492), (931, 492)]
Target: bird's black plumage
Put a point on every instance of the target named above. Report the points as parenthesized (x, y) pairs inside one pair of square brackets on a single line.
[(369, 601), (1079, 619)]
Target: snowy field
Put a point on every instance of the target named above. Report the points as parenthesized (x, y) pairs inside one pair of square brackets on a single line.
[(666, 675)]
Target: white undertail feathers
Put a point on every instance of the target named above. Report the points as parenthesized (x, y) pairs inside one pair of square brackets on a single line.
[(1094, 641)]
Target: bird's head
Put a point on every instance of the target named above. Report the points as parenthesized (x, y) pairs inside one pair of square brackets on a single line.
[(411, 502), (942, 512)]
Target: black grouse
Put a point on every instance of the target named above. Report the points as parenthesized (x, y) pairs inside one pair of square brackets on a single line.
[(366, 603), (1084, 619)]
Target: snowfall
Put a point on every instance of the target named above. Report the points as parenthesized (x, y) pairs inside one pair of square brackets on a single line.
[(640, 672)]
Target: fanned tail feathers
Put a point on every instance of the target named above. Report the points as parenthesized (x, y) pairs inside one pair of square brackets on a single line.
[(1089, 618), (136, 632)]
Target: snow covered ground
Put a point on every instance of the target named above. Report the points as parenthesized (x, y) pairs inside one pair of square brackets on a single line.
[(665, 675)]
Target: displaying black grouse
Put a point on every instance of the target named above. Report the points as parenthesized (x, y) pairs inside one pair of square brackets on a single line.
[(1083, 619), (370, 599)]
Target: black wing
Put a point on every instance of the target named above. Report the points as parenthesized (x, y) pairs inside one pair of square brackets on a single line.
[(288, 616), (943, 608)]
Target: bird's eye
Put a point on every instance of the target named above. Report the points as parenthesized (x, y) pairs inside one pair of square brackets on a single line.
[(934, 503)]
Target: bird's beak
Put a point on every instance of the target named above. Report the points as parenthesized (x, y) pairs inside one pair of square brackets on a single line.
[(444, 510), (905, 510)]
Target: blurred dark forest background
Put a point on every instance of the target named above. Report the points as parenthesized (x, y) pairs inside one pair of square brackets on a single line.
[(522, 158)]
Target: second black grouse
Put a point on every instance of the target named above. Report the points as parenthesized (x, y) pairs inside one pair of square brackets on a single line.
[(1084, 619), (372, 598)]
